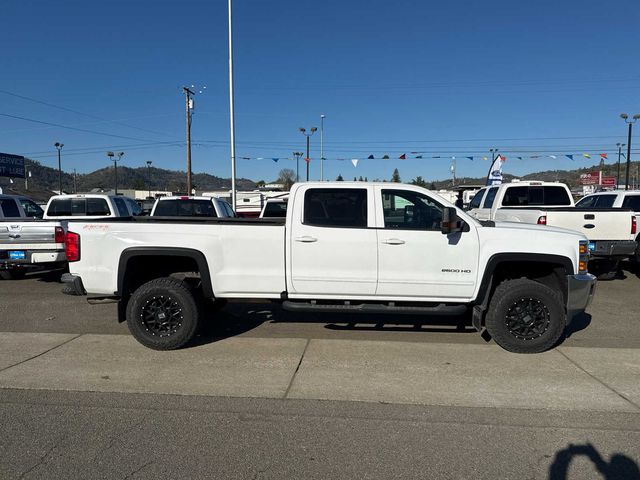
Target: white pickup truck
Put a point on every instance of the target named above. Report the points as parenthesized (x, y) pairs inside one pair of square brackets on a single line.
[(26, 242), (611, 232), (356, 247)]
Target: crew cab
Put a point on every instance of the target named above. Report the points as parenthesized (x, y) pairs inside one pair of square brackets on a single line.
[(611, 233), (26, 242), (185, 206), (355, 247)]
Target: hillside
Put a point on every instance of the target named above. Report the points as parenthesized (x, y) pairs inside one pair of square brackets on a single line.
[(45, 179)]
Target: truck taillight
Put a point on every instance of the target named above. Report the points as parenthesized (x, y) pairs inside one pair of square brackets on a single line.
[(59, 235), (542, 220), (72, 246), (634, 224)]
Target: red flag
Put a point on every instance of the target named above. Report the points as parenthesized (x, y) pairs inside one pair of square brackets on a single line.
[(402, 157), (307, 160), (603, 155)]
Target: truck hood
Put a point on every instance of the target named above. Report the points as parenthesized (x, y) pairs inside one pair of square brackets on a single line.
[(538, 228)]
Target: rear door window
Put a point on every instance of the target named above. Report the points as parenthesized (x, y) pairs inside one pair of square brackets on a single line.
[(491, 196), (9, 208), (336, 207)]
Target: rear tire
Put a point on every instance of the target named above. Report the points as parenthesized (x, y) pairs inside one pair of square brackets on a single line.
[(163, 314), (525, 316)]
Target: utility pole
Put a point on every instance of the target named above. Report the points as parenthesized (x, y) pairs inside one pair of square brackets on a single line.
[(189, 107), (75, 183), (307, 159), (322, 148), (619, 145), (298, 155), (112, 156), (625, 117), (149, 176), (59, 146)]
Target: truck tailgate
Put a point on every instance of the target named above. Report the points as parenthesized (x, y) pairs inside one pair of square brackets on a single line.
[(32, 235), (594, 224)]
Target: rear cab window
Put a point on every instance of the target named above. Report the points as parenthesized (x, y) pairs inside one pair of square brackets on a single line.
[(526, 195), (335, 207), (631, 202), (185, 208), (9, 208), (78, 207)]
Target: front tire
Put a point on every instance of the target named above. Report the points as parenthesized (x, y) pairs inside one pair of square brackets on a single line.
[(525, 316), (163, 314)]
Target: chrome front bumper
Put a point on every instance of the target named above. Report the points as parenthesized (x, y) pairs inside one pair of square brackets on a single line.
[(580, 291)]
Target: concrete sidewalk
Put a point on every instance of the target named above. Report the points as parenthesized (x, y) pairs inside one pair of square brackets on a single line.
[(594, 379)]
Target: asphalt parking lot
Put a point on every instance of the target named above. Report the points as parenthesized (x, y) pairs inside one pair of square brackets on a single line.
[(35, 304), (265, 393)]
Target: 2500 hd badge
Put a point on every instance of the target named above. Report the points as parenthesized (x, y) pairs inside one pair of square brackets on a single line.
[(456, 270)]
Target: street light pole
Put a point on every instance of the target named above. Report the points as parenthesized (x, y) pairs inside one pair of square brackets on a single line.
[(188, 93), (312, 130), (232, 128), (619, 145), (297, 155), (59, 146), (322, 148), (625, 117), (112, 156), (149, 176)]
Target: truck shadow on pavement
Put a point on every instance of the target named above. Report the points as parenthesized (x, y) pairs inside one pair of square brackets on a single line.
[(619, 466), (579, 322)]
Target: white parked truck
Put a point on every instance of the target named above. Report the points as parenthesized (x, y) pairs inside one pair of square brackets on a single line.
[(184, 206), (611, 233), (356, 247)]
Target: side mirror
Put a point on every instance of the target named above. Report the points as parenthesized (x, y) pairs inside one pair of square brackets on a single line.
[(451, 223)]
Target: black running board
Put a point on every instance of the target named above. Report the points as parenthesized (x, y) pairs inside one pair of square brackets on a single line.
[(439, 309)]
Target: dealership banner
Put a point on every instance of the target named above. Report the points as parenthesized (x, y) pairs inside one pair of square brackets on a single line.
[(11, 165)]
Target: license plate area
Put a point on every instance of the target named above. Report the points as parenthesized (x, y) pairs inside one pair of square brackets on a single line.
[(17, 255)]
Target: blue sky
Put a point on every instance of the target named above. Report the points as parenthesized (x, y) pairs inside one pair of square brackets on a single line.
[(441, 78)]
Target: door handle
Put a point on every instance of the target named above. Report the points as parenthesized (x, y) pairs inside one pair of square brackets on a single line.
[(393, 241), (306, 239)]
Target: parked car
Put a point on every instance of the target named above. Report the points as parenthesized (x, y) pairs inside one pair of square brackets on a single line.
[(374, 247), (191, 207), (25, 241), (90, 206), (274, 208), (611, 233)]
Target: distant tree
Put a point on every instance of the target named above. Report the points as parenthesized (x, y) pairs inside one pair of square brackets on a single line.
[(339, 178), (138, 184), (366, 179), (419, 181), (432, 186), (361, 179), (260, 183), (287, 177), (396, 176)]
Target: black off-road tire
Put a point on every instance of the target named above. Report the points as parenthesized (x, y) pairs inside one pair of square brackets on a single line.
[(13, 274), (525, 316), (163, 314)]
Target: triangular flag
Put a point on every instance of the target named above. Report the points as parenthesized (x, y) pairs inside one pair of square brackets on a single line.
[(246, 158), (418, 156), (308, 160), (586, 155), (470, 158), (275, 159), (259, 158), (519, 158), (570, 157), (436, 156), (534, 156), (370, 157), (354, 161), (503, 158), (340, 159), (485, 158), (402, 157), (385, 157), (453, 158), (553, 156), (603, 155)]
